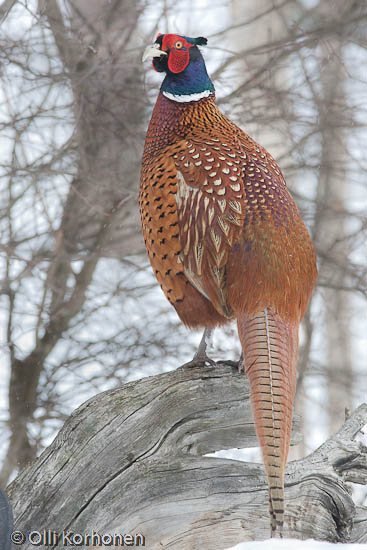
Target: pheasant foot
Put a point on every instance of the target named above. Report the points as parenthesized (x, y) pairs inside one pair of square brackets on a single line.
[(200, 358)]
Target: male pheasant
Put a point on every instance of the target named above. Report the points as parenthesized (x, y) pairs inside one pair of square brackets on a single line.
[(226, 240)]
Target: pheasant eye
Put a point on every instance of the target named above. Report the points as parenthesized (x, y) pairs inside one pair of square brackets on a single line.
[(178, 45)]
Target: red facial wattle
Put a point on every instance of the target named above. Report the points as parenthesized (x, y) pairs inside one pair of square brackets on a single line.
[(178, 52)]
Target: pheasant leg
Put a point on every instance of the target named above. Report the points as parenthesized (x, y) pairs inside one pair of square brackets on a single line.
[(200, 358)]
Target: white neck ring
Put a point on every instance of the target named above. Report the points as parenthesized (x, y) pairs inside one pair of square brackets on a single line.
[(188, 97)]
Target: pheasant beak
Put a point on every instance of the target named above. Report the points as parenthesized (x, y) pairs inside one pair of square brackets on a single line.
[(152, 51)]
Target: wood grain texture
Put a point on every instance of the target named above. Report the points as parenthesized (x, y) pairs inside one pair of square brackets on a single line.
[(131, 460)]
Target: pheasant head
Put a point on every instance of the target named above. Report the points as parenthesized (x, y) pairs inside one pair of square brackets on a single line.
[(180, 58)]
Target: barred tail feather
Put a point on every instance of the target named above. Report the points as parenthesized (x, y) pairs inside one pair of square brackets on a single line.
[(270, 350)]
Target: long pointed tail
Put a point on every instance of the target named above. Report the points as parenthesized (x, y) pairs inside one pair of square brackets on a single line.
[(270, 350)]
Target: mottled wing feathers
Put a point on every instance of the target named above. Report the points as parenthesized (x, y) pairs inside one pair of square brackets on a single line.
[(163, 240), (244, 245), (210, 213)]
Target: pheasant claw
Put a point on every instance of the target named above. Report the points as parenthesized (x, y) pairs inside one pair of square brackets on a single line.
[(200, 358)]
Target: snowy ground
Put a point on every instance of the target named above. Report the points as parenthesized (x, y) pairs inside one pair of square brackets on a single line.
[(293, 544)]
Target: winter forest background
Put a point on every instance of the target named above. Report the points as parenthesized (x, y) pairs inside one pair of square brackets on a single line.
[(80, 310)]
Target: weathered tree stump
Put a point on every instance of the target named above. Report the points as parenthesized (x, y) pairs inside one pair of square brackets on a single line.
[(131, 461)]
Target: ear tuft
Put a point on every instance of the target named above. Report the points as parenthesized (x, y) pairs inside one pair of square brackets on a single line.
[(200, 41)]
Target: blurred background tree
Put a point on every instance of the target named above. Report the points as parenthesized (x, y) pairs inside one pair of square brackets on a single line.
[(80, 309)]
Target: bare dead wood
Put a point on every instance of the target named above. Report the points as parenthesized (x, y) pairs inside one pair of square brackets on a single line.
[(131, 460)]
